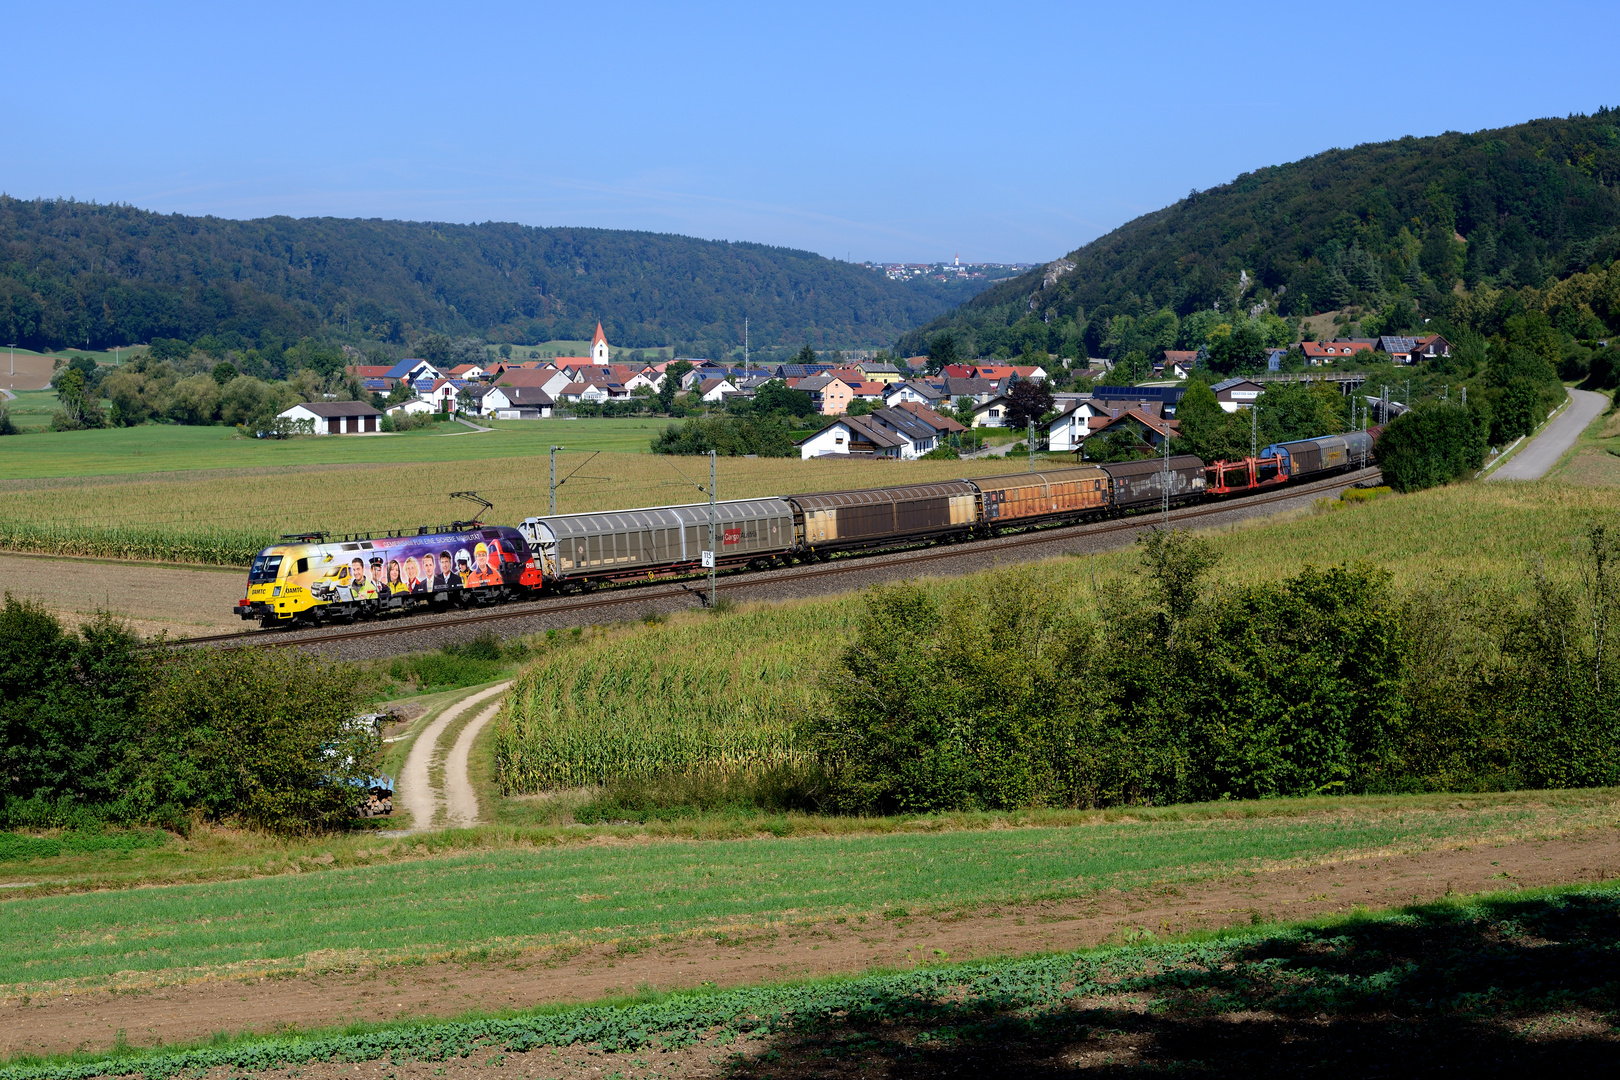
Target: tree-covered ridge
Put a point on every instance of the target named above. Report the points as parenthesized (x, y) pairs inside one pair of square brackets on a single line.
[(1372, 226), (82, 274)]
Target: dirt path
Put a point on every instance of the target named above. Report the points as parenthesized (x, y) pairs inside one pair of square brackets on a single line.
[(93, 1020), (461, 801), (416, 792)]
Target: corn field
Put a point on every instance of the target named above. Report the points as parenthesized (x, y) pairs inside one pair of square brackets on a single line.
[(226, 517), (700, 691), (217, 547)]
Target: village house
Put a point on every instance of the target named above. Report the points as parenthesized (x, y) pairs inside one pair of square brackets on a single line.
[(829, 395), (711, 391), (1235, 394), (991, 413), (1150, 429), (918, 392), (1069, 428), (517, 403), (1326, 352), (334, 417)]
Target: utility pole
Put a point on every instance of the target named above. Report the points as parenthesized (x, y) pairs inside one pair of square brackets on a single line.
[(1465, 395), (745, 346), (554, 450), (714, 554), (1164, 480), (1254, 430), (1029, 444)]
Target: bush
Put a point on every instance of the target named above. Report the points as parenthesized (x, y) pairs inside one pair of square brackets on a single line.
[(93, 729), (729, 436), (1328, 682), (1436, 443), (6, 425), (963, 705), (258, 735)]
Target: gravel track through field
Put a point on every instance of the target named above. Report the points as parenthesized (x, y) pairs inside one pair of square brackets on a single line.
[(461, 801), (415, 791), (94, 1020)]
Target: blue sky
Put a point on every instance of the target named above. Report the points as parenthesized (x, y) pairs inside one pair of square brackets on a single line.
[(1002, 131)]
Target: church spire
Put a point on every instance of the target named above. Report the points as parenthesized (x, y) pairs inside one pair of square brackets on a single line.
[(600, 353)]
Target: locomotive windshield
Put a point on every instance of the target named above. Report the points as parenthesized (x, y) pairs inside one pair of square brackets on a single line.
[(265, 568)]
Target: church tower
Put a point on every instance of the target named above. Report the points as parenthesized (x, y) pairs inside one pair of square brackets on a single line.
[(600, 354)]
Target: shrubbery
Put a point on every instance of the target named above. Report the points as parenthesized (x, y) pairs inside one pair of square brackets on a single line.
[(94, 729), (1436, 443), (1331, 681), (729, 436)]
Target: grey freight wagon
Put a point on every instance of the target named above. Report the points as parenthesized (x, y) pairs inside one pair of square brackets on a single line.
[(620, 544)]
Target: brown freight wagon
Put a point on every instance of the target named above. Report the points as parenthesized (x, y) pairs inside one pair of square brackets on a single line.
[(838, 519), (1023, 498), (1139, 484)]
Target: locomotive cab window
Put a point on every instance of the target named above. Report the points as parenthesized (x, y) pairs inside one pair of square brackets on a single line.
[(264, 568), (303, 566)]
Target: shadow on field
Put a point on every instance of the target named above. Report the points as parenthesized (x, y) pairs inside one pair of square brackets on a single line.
[(1498, 987)]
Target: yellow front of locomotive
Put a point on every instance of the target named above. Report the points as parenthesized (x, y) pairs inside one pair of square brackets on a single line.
[(280, 581)]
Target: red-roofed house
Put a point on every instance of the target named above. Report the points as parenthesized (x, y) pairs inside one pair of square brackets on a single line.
[(957, 371), (1326, 352)]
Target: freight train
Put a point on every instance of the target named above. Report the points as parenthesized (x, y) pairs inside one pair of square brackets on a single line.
[(310, 578)]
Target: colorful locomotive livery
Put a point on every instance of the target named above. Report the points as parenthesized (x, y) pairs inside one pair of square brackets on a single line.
[(362, 576), (310, 579)]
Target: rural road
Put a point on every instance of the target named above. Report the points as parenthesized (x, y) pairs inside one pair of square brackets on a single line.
[(1545, 449), (415, 790)]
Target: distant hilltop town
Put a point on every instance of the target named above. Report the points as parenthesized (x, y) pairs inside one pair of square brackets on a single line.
[(955, 270)]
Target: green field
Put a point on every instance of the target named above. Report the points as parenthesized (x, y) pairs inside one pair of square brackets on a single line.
[(180, 448), (514, 896), (31, 412)]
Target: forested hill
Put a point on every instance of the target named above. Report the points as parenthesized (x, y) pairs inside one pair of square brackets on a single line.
[(74, 273), (1509, 207)]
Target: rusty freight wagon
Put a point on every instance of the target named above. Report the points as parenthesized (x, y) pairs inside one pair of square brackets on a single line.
[(1026, 498), (835, 520), (578, 549), (1141, 484)]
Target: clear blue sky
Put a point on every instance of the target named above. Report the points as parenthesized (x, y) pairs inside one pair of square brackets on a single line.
[(1003, 131)]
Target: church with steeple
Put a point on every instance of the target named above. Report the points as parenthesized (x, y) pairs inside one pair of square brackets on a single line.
[(600, 353)]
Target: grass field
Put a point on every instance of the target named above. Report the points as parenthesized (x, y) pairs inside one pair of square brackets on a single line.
[(1510, 982), (515, 895), (222, 516)]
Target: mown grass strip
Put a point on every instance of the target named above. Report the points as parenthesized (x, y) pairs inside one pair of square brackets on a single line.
[(528, 901), (1490, 959)]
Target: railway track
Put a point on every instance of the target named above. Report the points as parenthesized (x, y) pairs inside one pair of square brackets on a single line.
[(279, 638)]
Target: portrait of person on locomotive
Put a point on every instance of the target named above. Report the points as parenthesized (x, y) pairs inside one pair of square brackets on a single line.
[(378, 578), (464, 568), (414, 581), (446, 578), (482, 574), (360, 586), (396, 582)]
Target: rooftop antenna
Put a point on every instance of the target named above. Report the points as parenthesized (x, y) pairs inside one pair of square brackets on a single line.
[(471, 496)]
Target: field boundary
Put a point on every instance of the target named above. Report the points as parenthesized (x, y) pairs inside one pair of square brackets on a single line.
[(651, 1019)]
